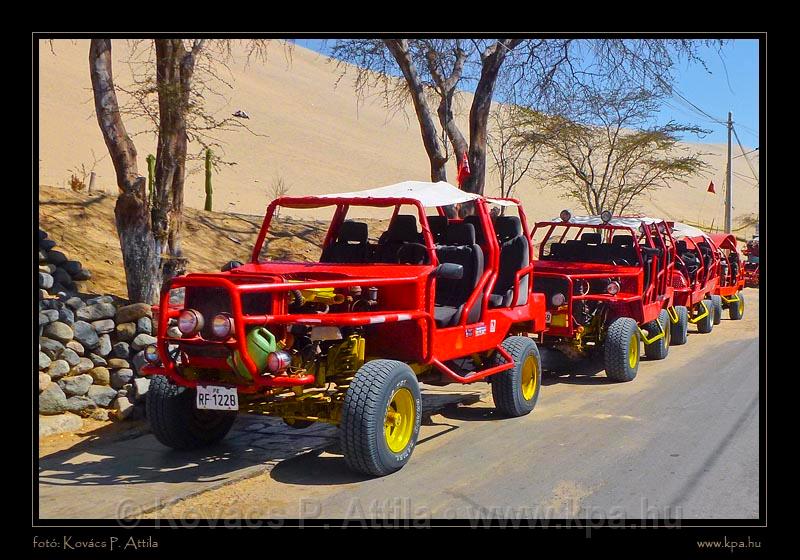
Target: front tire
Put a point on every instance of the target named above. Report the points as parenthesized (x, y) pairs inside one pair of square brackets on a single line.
[(621, 350), (381, 417), (659, 349), (736, 309), (706, 324), (176, 422), (679, 332), (516, 390), (716, 304)]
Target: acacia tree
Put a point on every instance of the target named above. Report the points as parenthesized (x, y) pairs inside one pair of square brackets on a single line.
[(149, 227), (543, 74), (612, 158), (512, 153)]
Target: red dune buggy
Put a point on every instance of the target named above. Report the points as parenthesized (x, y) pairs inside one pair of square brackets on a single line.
[(695, 279), (753, 265), (731, 275), (347, 340), (607, 288)]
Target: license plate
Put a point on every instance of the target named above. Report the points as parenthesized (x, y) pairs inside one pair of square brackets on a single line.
[(214, 397), (548, 316)]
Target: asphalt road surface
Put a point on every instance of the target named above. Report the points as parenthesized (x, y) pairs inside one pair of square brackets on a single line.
[(679, 442)]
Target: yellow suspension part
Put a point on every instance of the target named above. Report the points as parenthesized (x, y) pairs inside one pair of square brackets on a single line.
[(659, 336), (346, 357), (325, 296), (673, 315), (702, 315)]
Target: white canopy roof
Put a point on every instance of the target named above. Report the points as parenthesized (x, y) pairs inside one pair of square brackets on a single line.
[(427, 193), (626, 221), (685, 230)]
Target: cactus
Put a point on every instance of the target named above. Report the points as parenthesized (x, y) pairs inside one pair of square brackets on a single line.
[(209, 191), (151, 175)]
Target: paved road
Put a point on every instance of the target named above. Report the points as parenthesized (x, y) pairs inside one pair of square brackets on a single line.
[(680, 441)]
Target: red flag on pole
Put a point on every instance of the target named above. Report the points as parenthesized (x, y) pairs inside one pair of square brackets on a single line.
[(711, 188), (463, 170)]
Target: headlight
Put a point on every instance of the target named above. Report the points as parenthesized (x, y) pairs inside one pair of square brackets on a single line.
[(151, 354), (222, 325), (613, 287), (581, 287), (565, 215), (190, 321), (558, 299), (278, 361), (606, 216)]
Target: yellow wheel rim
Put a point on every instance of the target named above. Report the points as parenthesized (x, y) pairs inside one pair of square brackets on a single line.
[(633, 351), (530, 377), (400, 417)]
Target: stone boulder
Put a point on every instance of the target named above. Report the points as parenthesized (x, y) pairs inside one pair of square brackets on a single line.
[(52, 400)]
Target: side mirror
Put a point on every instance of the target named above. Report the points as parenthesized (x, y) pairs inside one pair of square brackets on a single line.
[(449, 271), (230, 265)]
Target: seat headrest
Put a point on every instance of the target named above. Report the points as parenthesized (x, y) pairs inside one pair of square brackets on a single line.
[(403, 228), (460, 234), (622, 240), (507, 227), (476, 223), (592, 238), (680, 245), (438, 225), (353, 231)]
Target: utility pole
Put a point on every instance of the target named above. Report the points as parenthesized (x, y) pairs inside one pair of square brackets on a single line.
[(729, 180)]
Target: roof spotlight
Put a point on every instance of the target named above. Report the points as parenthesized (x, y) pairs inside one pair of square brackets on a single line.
[(565, 215), (606, 216)]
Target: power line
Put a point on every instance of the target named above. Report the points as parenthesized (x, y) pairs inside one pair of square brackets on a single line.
[(747, 159), (750, 152)]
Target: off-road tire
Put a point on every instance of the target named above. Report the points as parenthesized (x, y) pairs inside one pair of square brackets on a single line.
[(616, 349), (679, 332), (736, 309), (706, 324), (507, 386), (364, 413), (176, 422), (659, 349), (716, 304)]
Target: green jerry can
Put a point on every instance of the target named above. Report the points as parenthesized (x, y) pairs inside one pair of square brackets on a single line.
[(260, 342)]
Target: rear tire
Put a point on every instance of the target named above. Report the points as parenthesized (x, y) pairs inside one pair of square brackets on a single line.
[(736, 309), (680, 331), (381, 416), (621, 350), (716, 304), (176, 422), (706, 324), (516, 390), (659, 349)]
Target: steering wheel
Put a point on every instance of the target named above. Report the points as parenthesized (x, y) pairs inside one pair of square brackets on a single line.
[(412, 253)]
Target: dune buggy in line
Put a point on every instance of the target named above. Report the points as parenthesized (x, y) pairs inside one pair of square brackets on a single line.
[(607, 288), (695, 279), (731, 275), (346, 340)]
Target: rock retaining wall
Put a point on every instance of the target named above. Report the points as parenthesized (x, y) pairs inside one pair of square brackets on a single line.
[(90, 347)]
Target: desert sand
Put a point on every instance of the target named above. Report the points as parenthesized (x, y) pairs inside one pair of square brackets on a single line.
[(312, 133)]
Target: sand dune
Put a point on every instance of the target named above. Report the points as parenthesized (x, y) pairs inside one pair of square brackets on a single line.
[(315, 135)]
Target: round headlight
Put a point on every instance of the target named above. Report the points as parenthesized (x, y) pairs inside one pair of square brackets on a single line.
[(222, 325), (606, 216), (558, 299), (278, 361), (581, 287), (151, 354), (613, 287), (190, 321), (565, 215)]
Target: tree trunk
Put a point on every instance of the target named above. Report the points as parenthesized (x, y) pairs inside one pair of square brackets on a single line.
[(139, 253), (430, 139), (492, 59)]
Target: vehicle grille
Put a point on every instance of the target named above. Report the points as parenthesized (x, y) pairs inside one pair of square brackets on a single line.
[(550, 286), (210, 301)]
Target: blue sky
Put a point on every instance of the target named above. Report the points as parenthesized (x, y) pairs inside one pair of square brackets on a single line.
[(730, 83)]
